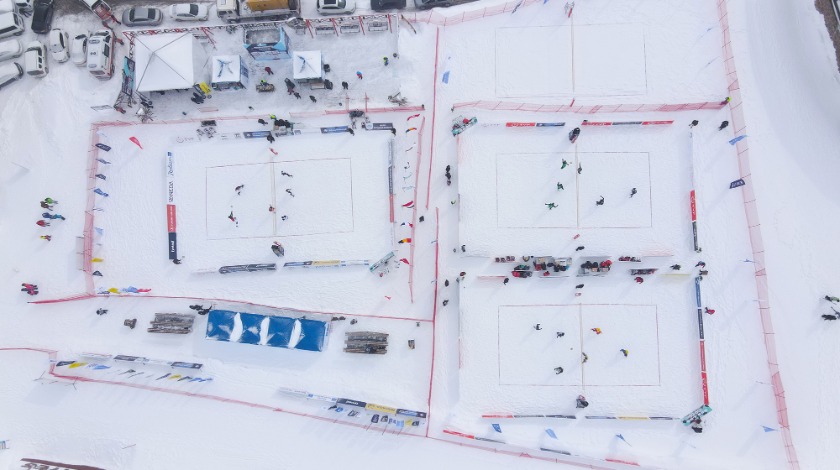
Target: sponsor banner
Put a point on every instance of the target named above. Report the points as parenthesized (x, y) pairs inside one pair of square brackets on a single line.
[(64, 363), (600, 417), (656, 123), (381, 262), (551, 124), (248, 268), (520, 124), (291, 391), (382, 126), (186, 365), (692, 198), (477, 438), (170, 178), (416, 414), (736, 183), (698, 413), (95, 355), (497, 416), (380, 408), (120, 357), (255, 134), (171, 225), (173, 245), (333, 130), (312, 396), (591, 123), (326, 263), (555, 451), (347, 401)]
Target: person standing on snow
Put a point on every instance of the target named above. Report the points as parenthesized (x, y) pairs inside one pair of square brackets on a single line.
[(708, 310), (832, 299), (723, 125), (537, 327), (694, 123), (600, 202), (42, 223), (345, 85), (359, 75), (829, 317), (639, 279), (551, 205), (573, 135), (564, 164), (560, 187), (624, 351), (239, 189), (633, 192), (558, 370), (270, 138)]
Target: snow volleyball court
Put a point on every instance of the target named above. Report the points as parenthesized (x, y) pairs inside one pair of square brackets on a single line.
[(584, 60)]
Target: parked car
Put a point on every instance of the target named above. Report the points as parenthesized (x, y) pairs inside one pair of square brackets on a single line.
[(78, 49), (35, 59), (10, 73), (7, 6), (24, 6), (11, 24), (426, 4), (336, 7), (100, 55), (379, 5), (142, 16), (42, 16), (189, 12), (10, 49), (59, 45)]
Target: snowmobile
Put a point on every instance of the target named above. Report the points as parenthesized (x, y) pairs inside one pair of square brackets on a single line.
[(461, 124), (522, 270)]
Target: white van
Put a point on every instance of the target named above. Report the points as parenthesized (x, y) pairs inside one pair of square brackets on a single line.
[(100, 54), (35, 59), (11, 24), (10, 49), (8, 6)]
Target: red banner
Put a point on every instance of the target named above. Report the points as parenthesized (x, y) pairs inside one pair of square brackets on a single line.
[(520, 124), (170, 218), (693, 207)]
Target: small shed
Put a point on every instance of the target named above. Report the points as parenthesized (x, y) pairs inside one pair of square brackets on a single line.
[(229, 73), (266, 42), (307, 66)]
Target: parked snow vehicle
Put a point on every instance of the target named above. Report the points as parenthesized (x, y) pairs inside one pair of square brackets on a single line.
[(236, 11)]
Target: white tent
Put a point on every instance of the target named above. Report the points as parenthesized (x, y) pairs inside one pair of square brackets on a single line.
[(306, 65), (173, 61)]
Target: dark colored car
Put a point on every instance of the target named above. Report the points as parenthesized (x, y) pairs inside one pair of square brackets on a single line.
[(42, 14), (426, 4), (379, 5)]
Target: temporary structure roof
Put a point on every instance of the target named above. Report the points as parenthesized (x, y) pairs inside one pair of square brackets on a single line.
[(172, 61), (307, 65)]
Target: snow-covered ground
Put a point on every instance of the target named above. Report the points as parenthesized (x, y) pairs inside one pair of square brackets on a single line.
[(476, 350)]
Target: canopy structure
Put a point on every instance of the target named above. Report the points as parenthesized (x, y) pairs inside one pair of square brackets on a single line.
[(229, 73), (262, 330), (307, 65), (173, 61)]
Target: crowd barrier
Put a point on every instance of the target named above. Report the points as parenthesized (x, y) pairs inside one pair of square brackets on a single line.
[(586, 109), (437, 16), (750, 207)]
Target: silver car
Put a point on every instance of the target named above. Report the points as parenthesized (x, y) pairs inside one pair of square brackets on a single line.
[(10, 49), (142, 16)]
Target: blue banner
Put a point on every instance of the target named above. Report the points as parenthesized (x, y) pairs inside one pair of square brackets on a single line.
[(737, 139), (497, 427), (551, 434), (256, 134), (736, 183), (333, 130)]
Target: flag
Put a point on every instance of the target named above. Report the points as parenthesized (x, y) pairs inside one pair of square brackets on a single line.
[(77, 364), (135, 141), (96, 273), (410, 129), (404, 260), (96, 260), (737, 139), (623, 439), (409, 204), (405, 240), (273, 151), (106, 162), (113, 290), (445, 78), (517, 7), (497, 428), (99, 231), (413, 116), (549, 431), (766, 429), (100, 192), (64, 363), (142, 291), (231, 217), (101, 176), (103, 147)]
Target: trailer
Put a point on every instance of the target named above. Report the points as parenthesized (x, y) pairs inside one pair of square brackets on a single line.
[(236, 11), (102, 10)]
